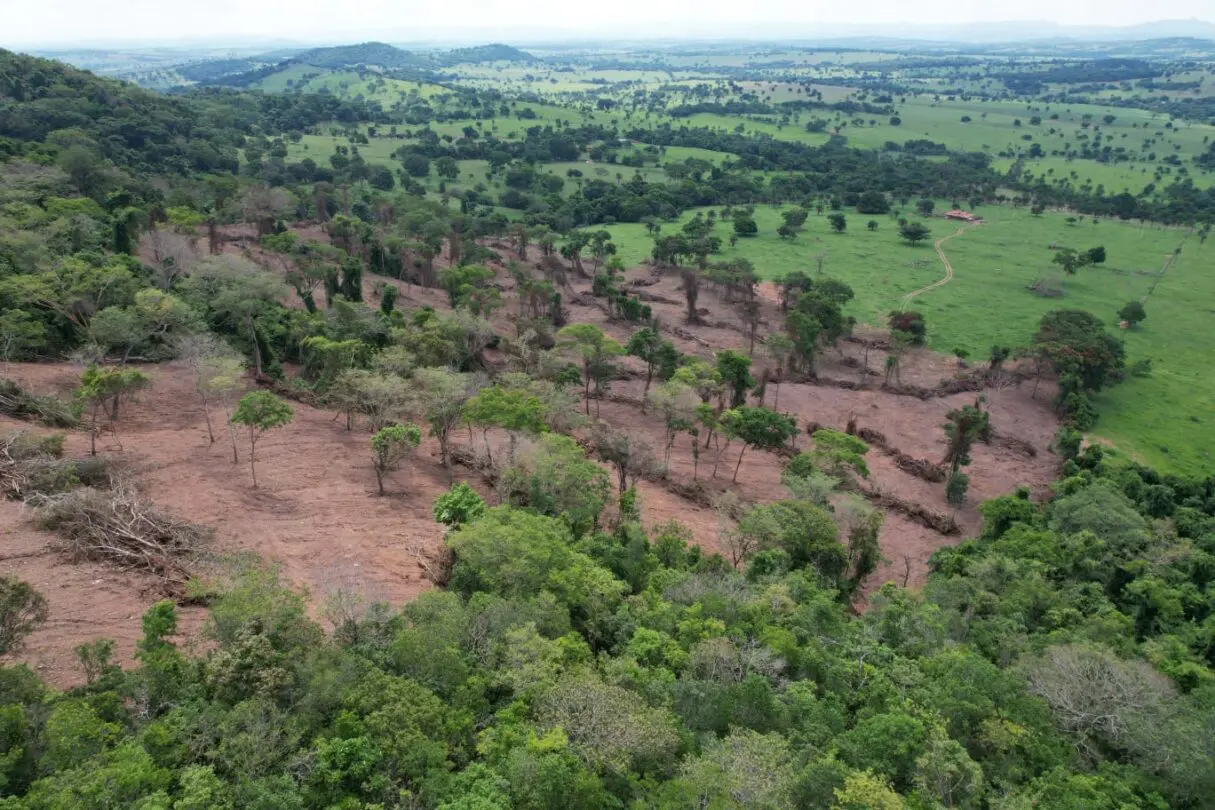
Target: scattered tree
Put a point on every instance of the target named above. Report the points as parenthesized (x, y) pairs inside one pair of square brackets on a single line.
[(260, 412)]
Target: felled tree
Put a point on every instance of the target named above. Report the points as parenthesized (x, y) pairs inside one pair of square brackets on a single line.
[(260, 412), (757, 427), (389, 447)]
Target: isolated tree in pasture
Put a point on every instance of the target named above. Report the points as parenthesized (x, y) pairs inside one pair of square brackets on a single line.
[(839, 455), (1069, 260), (872, 225), (677, 404), (925, 206), (839, 222), (260, 412), (389, 447), (914, 232), (660, 356), (102, 391), (593, 347), (1095, 255), (1132, 313), (757, 427)]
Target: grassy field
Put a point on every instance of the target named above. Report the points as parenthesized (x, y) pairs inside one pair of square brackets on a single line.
[(1161, 419)]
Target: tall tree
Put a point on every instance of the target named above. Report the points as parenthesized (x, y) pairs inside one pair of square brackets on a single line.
[(260, 412)]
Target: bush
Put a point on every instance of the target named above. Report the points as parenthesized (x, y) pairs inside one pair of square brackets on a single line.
[(459, 505), (21, 610)]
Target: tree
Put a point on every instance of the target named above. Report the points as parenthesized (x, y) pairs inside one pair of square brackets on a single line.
[(595, 349), (217, 371), (460, 504), (910, 325), (22, 609), (630, 455), (20, 333), (102, 391), (439, 396), (389, 447), (735, 371), (802, 530), (840, 455), (552, 475), (779, 348), (757, 427), (238, 294), (963, 427), (744, 224), (1095, 255), (955, 488), (515, 411), (1132, 313), (1070, 260), (260, 412), (914, 232), (925, 206), (872, 225), (660, 356), (1075, 342), (839, 222)]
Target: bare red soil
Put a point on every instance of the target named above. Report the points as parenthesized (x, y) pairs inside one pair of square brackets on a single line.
[(317, 515)]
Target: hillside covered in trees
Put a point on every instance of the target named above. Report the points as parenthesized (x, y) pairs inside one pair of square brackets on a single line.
[(568, 653)]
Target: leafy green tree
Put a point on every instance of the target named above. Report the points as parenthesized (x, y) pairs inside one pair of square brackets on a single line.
[(389, 447), (1132, 313), (439, 396), (102, 391), (593, 347), (744, 224), (839, 455), (20, 334), (553, 476), (660, 356), (735, 371), (839, 222), (963, 427), (1075, 342), (463, 281), (459, 505), (513, 410), (925, 206), (803, 531), (914, 232), (759, 428), (238, 295), (22, 609), (260, 412)]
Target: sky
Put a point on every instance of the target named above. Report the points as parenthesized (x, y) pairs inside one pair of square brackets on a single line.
[(47, 22)]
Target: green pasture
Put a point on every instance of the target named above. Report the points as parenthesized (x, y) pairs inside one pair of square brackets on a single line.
[(1163, 419)]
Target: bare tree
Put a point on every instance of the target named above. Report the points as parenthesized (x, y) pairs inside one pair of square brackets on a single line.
[(173, 254)]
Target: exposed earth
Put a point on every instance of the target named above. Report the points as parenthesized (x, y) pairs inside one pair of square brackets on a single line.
[(317, 515)]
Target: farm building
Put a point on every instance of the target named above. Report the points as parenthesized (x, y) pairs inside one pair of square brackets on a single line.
[(962, 216)]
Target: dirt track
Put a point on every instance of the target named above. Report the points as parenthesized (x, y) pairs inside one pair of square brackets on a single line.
[(944, 260)]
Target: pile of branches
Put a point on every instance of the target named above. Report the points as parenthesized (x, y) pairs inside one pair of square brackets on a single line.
[(121, 527), (18, 403), (938, 522), (1013, 443), (31, 465), (920, 468)]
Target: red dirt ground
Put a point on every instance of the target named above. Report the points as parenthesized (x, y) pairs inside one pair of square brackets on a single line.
[(316, 513)]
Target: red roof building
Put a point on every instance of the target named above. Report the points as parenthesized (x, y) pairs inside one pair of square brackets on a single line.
[(963, 216)]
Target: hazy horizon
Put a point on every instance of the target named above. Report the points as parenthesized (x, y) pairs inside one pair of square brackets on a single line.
[(82, 23)]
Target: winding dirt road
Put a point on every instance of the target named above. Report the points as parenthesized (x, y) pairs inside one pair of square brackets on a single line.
[(944, 260)]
